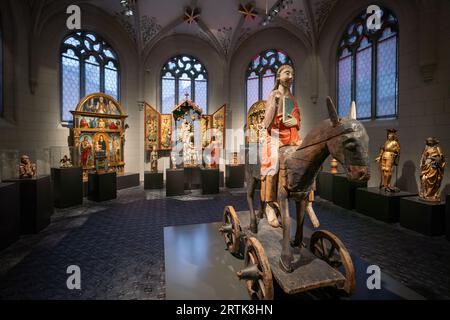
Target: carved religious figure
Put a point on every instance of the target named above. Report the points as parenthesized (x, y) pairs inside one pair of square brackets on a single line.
[(86, 148), (115, 145), (215, 152), (65, 162), (154, 159), (282, 126), (84, 123), (388, 157), (101, 106), (27, 169), (187, 139), (101, 124), (432, 171)]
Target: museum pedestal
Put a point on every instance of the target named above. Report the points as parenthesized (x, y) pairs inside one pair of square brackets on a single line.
[(235, 176), (102, 186), (153, 180), (344, 191), (174, 182), (128, 180), (9, 214), (36, 203), (67, 186), (447, 216), (324, 185), (424, 217), (378, 204), (192, 178), (210, 181)]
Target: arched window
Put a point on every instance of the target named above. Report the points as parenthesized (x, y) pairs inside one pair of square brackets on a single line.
[(261, 74), (367, 67), (88, 65), (183, 75)]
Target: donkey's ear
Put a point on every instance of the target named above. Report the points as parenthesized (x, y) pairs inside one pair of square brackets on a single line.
[(352, 112), (332, 112)]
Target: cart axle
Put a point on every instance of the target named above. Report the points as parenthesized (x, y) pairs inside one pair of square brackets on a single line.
[(250, 273)]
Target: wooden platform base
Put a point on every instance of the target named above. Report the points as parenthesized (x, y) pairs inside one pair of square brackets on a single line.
[(309, 271)]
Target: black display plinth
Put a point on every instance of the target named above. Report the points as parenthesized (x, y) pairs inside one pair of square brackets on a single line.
[(153, 180), (128, 180), (192, 179), (67, 186), (36, 203), (324, 185), (102, 186), (447, 216), (235, 176), (424, 217), (85, 188), (378, 204), (221, 179), (210, 181), (9, 214), (344, 191), (174, 182)]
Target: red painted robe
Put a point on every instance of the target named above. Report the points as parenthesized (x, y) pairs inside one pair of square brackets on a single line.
[(278, 135)]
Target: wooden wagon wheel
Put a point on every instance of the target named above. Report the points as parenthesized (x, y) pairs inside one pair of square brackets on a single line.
[(256, 273), (231, 229), (327, 247)]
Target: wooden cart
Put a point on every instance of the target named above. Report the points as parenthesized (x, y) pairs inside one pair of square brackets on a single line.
[(325, 262)]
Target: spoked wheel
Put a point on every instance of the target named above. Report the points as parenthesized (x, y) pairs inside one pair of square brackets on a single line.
[(231, 229), (327, 247), (256, 273)]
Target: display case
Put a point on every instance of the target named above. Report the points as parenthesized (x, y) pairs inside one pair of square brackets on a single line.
[(9, 162), (64, 157), (24, 164), (236, 158)]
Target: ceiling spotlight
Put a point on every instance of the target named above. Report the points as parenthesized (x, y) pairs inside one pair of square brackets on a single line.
[(124, 3)]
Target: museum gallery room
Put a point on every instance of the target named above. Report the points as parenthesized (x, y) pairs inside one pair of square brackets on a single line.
[(224, 150)]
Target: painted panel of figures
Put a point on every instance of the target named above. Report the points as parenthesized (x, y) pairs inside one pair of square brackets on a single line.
[(166, 132), (151, 127)]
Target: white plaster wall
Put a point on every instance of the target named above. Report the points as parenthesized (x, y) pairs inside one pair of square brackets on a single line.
[(423, 109)]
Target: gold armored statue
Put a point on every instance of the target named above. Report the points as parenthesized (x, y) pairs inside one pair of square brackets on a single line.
[(432, 171), (388, 158)]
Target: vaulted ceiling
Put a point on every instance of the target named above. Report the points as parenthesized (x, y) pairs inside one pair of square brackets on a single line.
[(219, 22)]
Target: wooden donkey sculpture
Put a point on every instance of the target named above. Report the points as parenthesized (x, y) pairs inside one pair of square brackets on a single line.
[(345, 139)]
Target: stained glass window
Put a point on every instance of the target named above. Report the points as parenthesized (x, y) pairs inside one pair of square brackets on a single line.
[(367, 68), (261, 73), (112, 80), (88, 65), (183, 76), (91, 76)]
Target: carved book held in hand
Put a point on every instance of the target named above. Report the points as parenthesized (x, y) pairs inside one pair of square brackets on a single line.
[(288, 107)]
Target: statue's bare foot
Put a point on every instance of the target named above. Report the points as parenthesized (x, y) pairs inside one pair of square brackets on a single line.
[(286, 264), (272, 217)]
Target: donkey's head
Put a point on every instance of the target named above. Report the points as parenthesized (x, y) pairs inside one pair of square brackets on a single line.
[(350, 143)]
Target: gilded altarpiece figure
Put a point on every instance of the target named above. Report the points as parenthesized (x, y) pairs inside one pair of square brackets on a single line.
[(98, 133)]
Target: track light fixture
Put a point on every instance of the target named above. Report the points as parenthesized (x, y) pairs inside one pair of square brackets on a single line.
[(276, 8), (128, 7)]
